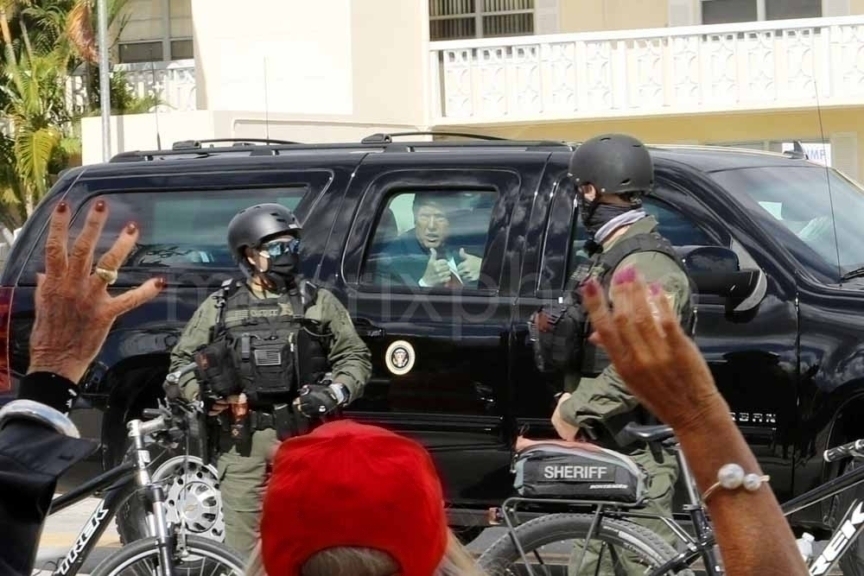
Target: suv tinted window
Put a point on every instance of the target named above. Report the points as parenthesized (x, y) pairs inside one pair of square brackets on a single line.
[(672, 224), (453, 225), (178, 229), (675, 226)]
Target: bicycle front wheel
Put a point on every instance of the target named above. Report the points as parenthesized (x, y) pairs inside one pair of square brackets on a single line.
[(141, 558), (554, 544)]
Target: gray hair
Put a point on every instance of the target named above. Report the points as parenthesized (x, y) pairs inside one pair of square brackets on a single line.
[(347, 561)]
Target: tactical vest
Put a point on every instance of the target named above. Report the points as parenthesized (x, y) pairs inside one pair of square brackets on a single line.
[(272, 352), (558, 332)]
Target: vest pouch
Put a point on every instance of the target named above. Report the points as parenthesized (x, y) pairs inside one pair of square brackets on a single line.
[(312, 347), (556, 332), (216, 368), (268, 365), (578, 473)]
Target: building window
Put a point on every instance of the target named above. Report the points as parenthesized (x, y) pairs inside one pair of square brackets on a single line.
[(729, 11), (156, 31), (461, 19)]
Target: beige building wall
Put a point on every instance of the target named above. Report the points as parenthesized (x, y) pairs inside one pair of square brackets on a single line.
[(357, 60), (842, 128), (596, 15)]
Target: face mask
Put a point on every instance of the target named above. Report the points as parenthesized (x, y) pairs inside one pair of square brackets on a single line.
[(283, 264), (594, 216)]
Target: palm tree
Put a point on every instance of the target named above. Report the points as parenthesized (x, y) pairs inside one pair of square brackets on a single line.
[(44, 42), (37, 113)]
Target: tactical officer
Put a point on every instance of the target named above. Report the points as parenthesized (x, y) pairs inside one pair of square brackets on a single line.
[(278, 351), (611, 174)]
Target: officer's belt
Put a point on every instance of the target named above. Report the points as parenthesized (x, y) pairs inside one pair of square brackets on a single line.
[(260, 420)]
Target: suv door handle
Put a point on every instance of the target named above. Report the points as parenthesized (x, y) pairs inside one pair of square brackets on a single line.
[(365, 328)]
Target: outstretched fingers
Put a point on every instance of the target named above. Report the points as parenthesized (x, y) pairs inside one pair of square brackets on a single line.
[(600, 316), (114, 258), (645, 314), (625, 301), (669, 321), (134, 298), (56, 245), (82, 251)]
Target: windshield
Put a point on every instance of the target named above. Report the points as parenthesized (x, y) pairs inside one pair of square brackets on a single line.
[(795, 205)]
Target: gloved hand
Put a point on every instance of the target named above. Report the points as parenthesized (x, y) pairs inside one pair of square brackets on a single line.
[(316, 400)]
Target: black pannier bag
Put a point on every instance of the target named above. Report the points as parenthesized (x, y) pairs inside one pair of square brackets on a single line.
[(589, 473)]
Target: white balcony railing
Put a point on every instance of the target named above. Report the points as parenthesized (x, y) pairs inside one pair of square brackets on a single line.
[(173, 82), (698, 69)]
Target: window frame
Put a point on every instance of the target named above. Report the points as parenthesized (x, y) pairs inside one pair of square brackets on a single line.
[(761, 13), (478, 14), (166, 39), (376, 197)]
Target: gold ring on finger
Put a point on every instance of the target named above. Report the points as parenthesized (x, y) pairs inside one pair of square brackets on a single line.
[(109, 276)]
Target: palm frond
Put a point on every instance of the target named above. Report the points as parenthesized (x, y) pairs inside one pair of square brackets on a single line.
[(33, 152), (80, 31)]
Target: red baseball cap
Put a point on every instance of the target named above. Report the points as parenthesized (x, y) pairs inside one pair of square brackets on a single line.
[(355, 485)]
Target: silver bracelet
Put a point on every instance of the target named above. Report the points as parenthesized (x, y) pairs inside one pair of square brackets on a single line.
[(32, 410), (732, 477)]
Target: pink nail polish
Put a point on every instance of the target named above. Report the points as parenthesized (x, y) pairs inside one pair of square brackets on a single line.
[(625, 275), (590, 288)]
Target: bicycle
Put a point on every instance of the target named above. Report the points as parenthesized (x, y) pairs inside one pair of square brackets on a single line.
[(173, 551), (556, 519)]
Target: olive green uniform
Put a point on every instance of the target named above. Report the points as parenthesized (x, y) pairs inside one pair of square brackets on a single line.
[(605, 402), (242, 478)]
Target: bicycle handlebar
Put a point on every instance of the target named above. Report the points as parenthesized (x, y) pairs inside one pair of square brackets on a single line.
[(164, 418), (151, 426), (843, 451)]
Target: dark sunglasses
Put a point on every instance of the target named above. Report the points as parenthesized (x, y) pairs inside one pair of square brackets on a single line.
[(276, 248)]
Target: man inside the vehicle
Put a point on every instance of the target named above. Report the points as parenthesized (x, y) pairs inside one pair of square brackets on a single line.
[(430, 254)]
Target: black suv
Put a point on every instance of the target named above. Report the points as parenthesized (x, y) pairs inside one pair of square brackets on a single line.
[(780, 318)]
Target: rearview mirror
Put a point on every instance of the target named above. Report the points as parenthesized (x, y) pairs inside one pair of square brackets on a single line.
[(716, 271)]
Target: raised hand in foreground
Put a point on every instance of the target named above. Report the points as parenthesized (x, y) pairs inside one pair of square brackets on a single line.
[(73, 308), (663, 368)]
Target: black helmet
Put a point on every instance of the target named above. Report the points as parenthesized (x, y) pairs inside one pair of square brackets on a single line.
[(252, 226), (614, 164)]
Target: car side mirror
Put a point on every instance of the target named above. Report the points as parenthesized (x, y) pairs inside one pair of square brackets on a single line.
[(716, 271)]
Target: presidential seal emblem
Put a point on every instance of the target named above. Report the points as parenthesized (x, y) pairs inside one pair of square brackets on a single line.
[(399, 357)]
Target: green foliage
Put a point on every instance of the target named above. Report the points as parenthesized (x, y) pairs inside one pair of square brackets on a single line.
[(124, 100), (45, 42)]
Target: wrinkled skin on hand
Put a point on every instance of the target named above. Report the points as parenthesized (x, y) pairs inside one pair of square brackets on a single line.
[(660, 364), (73, 308)]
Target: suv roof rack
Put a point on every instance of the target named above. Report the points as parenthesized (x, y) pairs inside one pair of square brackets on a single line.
[(380, 138), (196, 144), (194, 149)]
